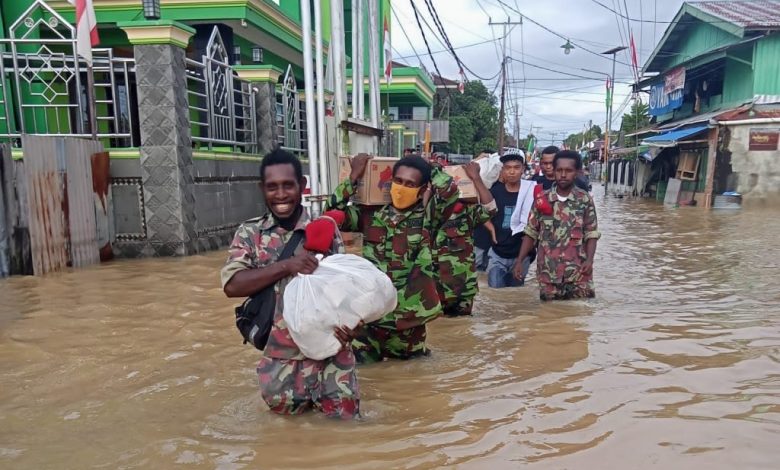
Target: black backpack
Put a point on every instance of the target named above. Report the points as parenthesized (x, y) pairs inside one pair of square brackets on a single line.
[(255, 316)]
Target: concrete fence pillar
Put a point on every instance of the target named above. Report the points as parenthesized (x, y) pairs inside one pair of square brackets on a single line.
[(264, 79), (166, 141)]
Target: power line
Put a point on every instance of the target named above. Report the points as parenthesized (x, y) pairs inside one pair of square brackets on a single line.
[(435, 16), (655, 21), (428, 47), (558, 34), (401, 25)]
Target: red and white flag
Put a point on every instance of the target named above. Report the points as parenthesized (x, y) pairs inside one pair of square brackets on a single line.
[(388, 55), (86, 28), (462, 82), (634, 61)]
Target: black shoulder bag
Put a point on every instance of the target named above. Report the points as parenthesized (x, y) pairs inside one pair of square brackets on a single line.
[(255, 316)]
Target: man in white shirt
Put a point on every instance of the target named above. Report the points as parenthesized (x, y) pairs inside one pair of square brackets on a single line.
[(525, 200)]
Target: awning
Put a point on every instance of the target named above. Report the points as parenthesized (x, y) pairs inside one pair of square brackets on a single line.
[(670, 139)]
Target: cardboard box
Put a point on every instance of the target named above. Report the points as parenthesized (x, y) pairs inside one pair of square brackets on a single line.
[(374, 187), (466, 187)]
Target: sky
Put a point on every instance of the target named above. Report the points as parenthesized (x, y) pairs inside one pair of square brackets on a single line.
[(554, 102)]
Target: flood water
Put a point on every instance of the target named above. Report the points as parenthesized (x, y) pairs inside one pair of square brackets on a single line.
[(676, 364)]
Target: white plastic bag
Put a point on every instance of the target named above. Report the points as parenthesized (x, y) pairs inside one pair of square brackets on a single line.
[(490, 169), (342, 291)]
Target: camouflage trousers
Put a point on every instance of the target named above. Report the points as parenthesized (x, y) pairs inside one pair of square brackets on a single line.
[(566, 291), (376, 343), (457, 291), (293, 386)]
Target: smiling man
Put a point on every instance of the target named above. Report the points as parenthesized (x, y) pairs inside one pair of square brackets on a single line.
[(290, 383), (398, 239), (567, 232)]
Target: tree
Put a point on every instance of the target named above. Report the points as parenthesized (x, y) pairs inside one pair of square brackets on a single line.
[(575, 141), (637, 118), (473, 119)]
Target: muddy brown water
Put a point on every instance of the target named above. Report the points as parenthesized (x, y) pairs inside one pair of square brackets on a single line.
[(676, 364)]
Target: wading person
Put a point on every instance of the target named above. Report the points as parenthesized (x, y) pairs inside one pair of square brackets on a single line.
[(454, 250), (547, 178), (505, 246), (398, 239), (563, 222), (289, 382)]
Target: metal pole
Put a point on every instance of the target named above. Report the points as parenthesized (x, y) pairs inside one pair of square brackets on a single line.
[(609, 123), (361, 73), (91, 101), (323, 157), (373, 48), (337, 51), (355, 60), (311, 125)]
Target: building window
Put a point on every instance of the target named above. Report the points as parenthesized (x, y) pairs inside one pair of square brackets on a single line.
[(405, 113), (237, 55), (257, 55)]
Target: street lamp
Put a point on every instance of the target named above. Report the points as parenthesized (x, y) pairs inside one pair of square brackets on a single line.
[(567, 47), (613, 52), (151, 9)]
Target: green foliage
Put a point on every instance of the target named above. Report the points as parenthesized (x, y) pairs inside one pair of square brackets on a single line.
[(637, 118), (575, 141), (473, 119)]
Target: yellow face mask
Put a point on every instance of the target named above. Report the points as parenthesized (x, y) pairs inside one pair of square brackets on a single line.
[(402, 196)]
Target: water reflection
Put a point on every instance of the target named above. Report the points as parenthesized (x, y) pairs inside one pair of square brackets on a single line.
[(135, 364)]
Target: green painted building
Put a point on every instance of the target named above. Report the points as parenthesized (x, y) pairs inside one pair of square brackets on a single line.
[(714, 73)]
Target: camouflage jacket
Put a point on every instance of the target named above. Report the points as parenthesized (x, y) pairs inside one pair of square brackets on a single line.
[(259, 243), (400, 243), (562, 236), (455, 238)]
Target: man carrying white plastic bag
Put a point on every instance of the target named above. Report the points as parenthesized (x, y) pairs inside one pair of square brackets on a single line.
[(290, 383)]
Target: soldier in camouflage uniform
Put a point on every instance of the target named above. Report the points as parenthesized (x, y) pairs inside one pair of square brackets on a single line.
[(398, 239), (454, 248), (567, 235), (289, 382)]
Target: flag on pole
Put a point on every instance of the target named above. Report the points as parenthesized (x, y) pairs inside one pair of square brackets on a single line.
[(86, 28), (634, 61), (462, 82), (609, 92), (388, 55)]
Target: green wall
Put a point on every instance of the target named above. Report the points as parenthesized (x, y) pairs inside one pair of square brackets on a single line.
[(766, 61), (737, 82), (700, 38)]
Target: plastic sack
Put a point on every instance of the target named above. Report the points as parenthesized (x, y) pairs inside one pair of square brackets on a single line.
[(342, 291), (490, 169)]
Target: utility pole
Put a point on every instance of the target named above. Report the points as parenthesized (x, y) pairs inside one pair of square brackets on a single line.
[(552, 137), (517, 126), (613, 52), (501, 116)]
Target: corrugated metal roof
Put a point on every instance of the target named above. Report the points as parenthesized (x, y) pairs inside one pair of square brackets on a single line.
[(746, 14)]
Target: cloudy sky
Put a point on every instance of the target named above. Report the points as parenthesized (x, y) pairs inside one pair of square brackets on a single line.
[(561, 100)]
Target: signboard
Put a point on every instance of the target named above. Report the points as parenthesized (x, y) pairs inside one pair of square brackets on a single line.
[(662, 102), (764, 139), (674, 80), (667, 96)]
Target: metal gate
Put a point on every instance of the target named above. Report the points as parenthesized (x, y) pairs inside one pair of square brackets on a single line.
[(43, 82), (222, 105)]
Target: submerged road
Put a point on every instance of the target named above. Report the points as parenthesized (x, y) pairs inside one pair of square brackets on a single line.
[(676, 364)]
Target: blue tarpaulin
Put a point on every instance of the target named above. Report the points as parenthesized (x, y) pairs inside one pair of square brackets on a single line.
[(671, 138)]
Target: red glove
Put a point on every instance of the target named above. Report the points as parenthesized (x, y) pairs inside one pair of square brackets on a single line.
[(337, 216), (541, 202), (319, 235)]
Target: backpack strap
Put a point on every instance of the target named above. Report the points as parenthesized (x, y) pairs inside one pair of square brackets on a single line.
[(291, 245)]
